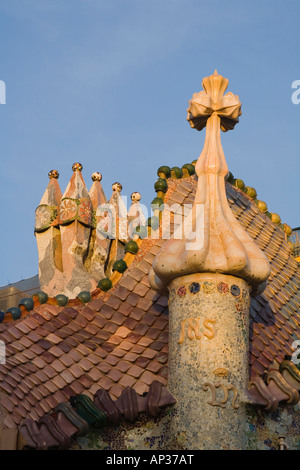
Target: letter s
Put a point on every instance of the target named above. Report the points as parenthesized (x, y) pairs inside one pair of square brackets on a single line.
[(211, 332)]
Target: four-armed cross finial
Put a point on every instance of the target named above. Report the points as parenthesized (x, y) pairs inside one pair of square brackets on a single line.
[(226, 247), (205, 103)]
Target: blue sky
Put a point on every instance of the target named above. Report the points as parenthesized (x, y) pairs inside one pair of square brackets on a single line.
[(107, 83)]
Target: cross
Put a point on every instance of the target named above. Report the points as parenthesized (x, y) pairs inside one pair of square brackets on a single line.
[(211, 102), (214, 110)]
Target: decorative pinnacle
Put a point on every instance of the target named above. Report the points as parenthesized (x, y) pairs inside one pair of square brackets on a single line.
[(117, 187), (77, 166), (215, 242), (135, 196), (96, 176), (53, 174)]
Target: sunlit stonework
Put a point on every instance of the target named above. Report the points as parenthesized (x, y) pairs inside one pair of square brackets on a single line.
[(223, 246)]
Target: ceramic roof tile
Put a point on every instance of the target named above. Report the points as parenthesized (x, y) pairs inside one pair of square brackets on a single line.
[(95, 374), (112, 359), (138, 349), (39, 362), (106, 311), (83, 349), (57, 352), (81, 320), (144, 266), (44, 344), (140, 329), (30, 322), (149, 352), (115, 339), (122, 365), (49, 371), (127, 381), (122, 331), (162, 357), (133, 337), (145, 281), (114, 302), (148, 377), (87, 312), (161, 322), (135, 371), (40, 374), (48, 357), (163, 301), (141, 290), (14, 332), (99, 321), (151, 295), (65, 346), (121, 292), (144, 304), (96, 304), (126, 345), (12, 349), (137, 274), (20, 358), (52, 338), (153, 333), (114, 374), (67, 376), (105, 382), (85, 364), (157, 309), (91, 328), (137, 313), (148, 319), (131, 357), (118, 318), (133, 299), (33, 380), (41, 331), (144, 341), (22, 327), (140, 387), (128, 282), (7, 337), (60, 396)]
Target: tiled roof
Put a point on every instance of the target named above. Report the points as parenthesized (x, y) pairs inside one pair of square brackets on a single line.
[(120, 338), (274, 314)]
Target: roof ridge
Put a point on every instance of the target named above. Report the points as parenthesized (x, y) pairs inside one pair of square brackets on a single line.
[(81, 414), (275, 386)]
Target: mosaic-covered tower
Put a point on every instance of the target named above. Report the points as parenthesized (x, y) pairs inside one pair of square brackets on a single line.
[(48, 236), (99, 244), (209, 273), (75, 213)]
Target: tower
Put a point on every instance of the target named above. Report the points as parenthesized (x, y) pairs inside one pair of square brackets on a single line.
[(209, 273)]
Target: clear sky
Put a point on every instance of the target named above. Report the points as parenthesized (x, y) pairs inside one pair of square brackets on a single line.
[(107, 83)]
